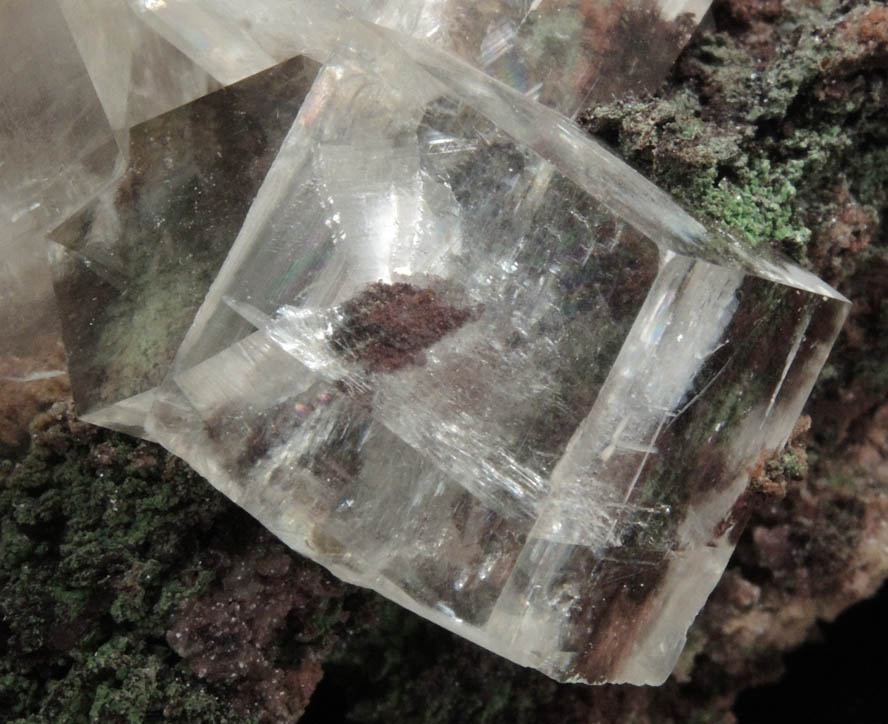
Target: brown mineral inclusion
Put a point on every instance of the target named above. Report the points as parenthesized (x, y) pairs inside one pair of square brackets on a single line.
[(387, 326)]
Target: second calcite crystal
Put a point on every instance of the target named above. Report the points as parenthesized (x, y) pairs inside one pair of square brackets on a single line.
[(461, 354)]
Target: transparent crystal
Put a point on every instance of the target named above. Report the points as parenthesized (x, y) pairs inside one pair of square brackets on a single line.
[(57, 148), (133, 265), (461, 354), (565, 53)]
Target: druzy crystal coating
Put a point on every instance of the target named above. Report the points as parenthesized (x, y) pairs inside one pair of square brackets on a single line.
[(427, 331)]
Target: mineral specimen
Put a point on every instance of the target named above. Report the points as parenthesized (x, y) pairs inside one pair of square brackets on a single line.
[(554, 475), (458, 352)]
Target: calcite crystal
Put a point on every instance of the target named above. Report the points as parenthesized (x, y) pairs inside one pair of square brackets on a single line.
[(458, 351), (496, 376)]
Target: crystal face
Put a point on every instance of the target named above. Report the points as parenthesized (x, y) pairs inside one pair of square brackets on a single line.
[(420, 325), (136, 73)]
